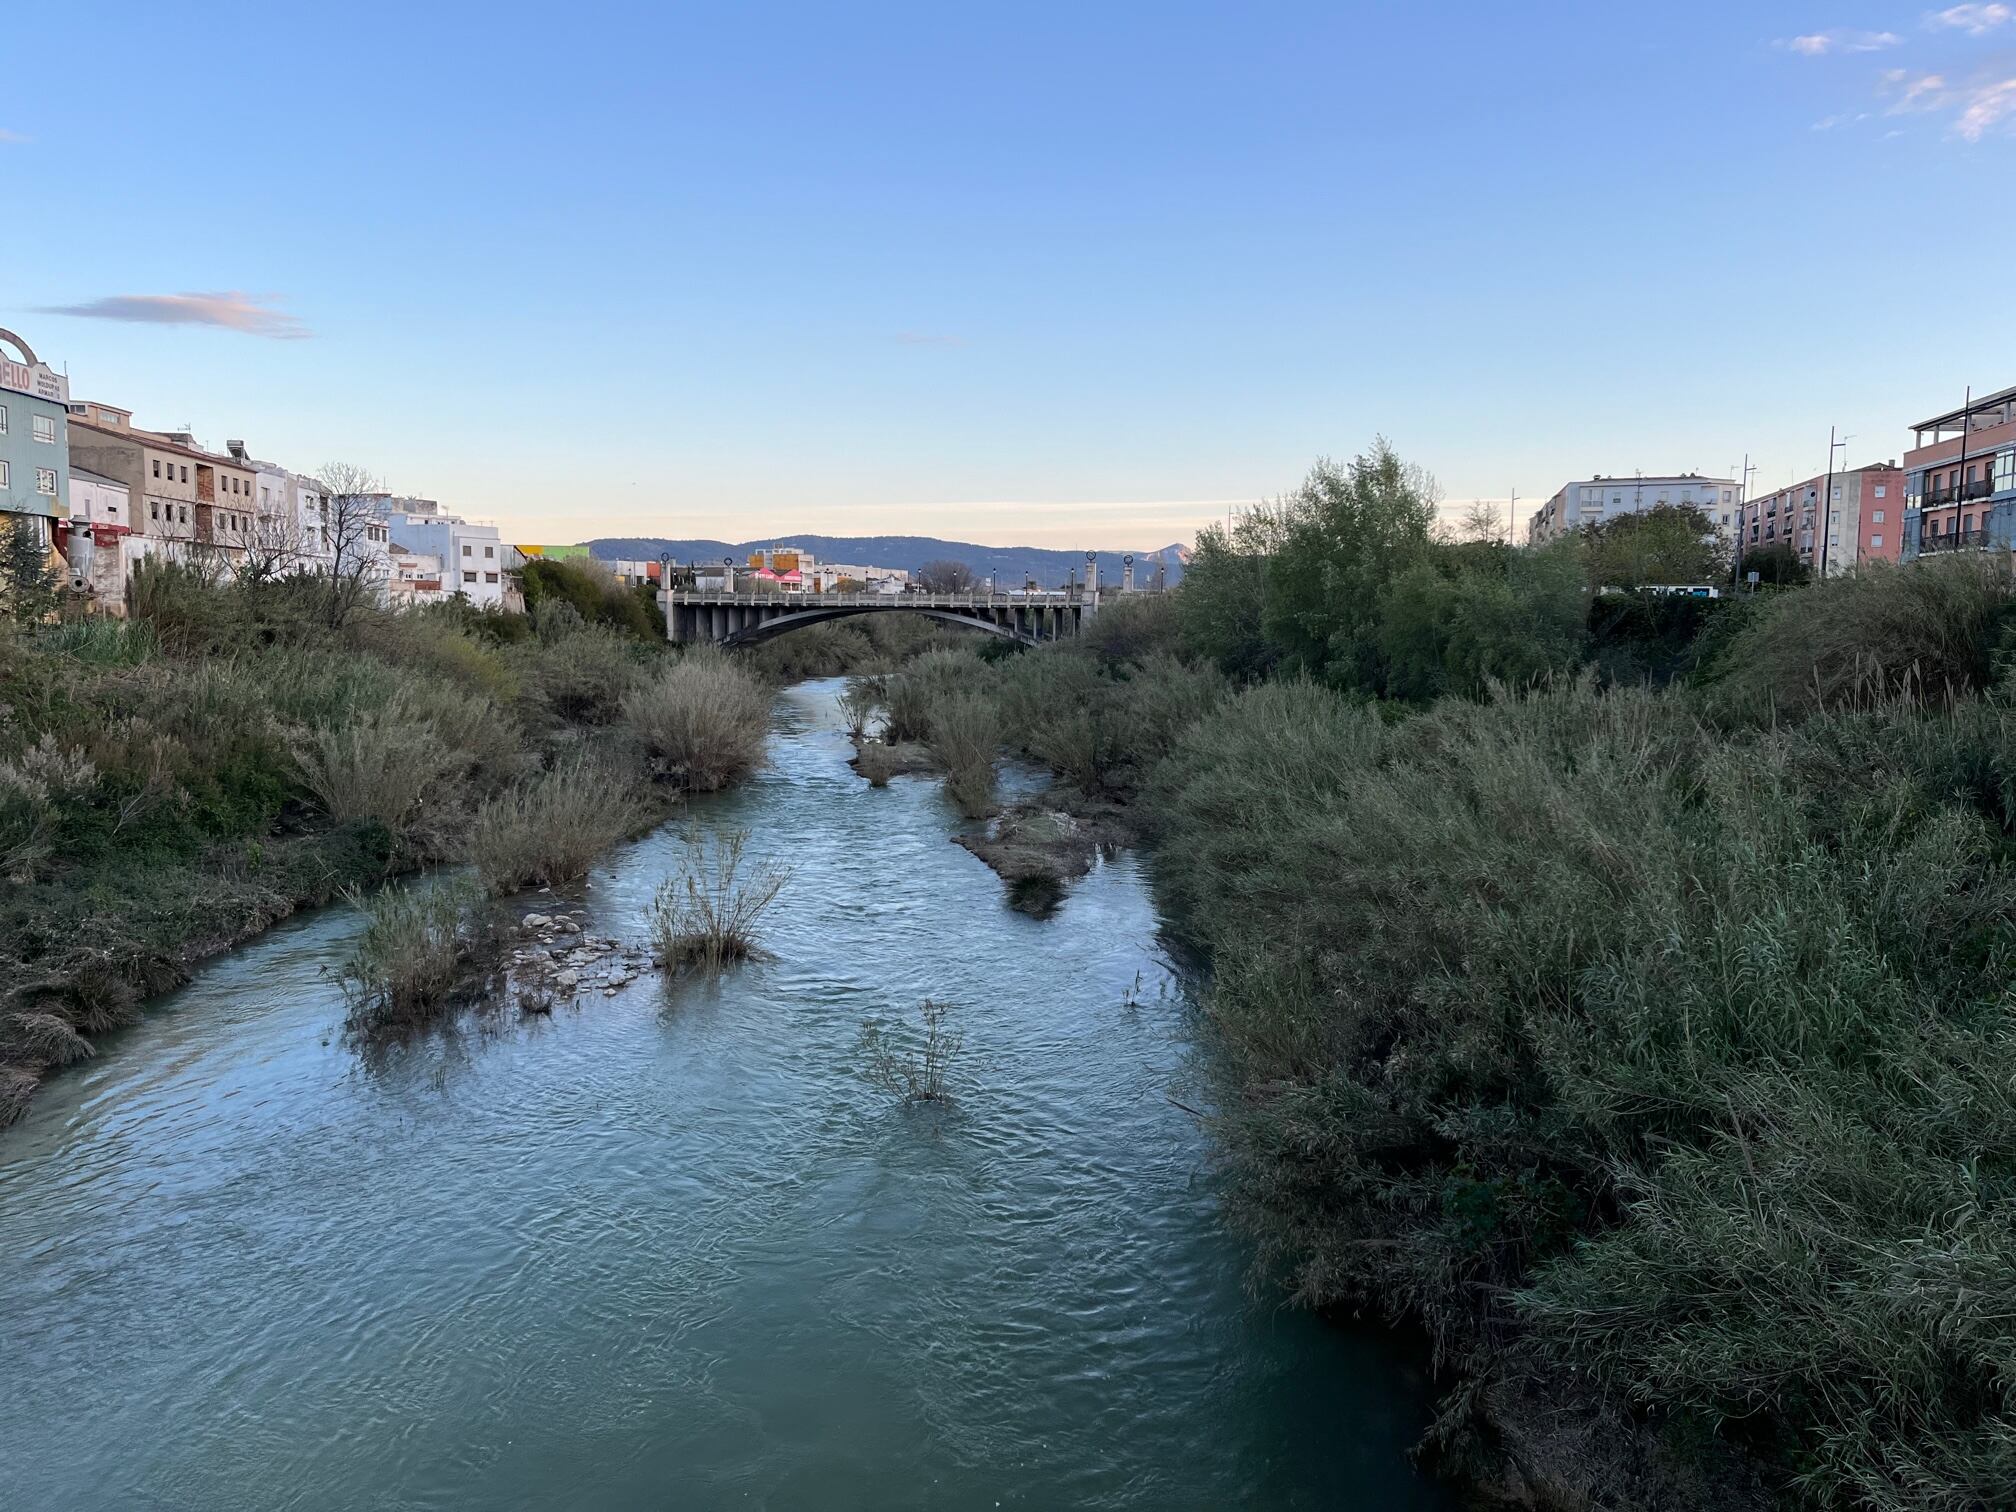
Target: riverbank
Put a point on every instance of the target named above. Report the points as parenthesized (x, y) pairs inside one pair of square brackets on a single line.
[(1642, 1045), (175, 783)]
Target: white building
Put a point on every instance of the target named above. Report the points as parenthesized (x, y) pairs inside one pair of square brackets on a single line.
[(415, 577), (103, 543), (294, 511), (476, 562), (1598, 500)]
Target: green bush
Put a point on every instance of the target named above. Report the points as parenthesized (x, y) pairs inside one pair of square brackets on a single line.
[(378, 764), (1927, 630)]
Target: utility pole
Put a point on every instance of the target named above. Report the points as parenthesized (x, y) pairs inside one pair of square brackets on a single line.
[(1827, 501), (1742, 521), (1512, 518)]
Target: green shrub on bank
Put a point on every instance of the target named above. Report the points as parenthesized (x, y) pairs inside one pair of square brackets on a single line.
[(1688, 1059), (1927, 631)]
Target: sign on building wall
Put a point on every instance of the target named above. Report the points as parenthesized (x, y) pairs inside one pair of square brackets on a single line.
[(39, 379)]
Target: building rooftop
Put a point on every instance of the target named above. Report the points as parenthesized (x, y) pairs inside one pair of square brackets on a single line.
[(1953, 416)]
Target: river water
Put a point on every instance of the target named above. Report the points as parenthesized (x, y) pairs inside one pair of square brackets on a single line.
[(671, 1250)]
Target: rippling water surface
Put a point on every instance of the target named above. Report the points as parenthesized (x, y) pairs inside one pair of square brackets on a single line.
[(671, 1251)]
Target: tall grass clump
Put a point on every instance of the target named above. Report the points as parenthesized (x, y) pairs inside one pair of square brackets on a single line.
[(965, 735), (858, 703), (377, 764), (912, 695), (1927, 630), (407, 964), (706, 915), (550, 828), (1605, 1044), (704, 717), (913, 1068)]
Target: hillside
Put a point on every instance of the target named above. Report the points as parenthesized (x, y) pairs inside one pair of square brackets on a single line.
[(1007, 565)]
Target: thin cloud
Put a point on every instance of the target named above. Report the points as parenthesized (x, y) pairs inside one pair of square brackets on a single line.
[(1978, 107), (230, 311), (13, 138), (1975, 20), (1820, 44)]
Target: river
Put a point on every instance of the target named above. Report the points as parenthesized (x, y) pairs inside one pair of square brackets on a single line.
[(671, 1250)]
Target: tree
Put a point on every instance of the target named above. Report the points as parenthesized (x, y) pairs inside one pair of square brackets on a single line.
[(1777, 563), (944, 576), (1219, 602), (353, 520), (29, 582), (1483, 521), (1349, 531), (1669, 544)]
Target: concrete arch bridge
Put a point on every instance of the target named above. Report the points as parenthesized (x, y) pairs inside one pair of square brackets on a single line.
[(747, 619)]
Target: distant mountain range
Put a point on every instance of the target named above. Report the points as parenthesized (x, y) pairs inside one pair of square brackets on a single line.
[(1009, 566)]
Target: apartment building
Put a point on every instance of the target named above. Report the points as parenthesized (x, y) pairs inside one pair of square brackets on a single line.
[(1863, 517), (186, 502), (414, 577), (475, 561), (1960, 479), (34, 437), (1597, 500)]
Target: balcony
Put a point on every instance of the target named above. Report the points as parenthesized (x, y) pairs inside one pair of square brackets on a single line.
[(1980, 488), (1955, 540)]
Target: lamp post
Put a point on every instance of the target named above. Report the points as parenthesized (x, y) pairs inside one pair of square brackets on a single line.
[(1827, 498)]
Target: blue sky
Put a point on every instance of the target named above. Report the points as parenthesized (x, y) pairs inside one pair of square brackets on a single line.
[(1063, 275)]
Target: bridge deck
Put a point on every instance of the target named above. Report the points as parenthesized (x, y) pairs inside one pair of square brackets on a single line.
[(804, 600)]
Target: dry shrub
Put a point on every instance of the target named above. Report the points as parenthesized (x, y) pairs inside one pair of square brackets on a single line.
[(381, 764), (17, 1090), (41, 1039), (416, 945), (705, 915), (552, 827), (965, 733), (704, 716), (913, 1069)]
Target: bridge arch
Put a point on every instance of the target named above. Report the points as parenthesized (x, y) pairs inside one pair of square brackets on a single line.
[(747, 619)]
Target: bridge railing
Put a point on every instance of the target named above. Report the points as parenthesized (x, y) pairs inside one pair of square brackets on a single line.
[(877, 600)]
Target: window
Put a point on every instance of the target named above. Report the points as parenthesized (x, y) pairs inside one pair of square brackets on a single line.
[(183, 511), (1882, 490), (1876, 543), (489, 551), (44, 428), (468, 577), (466, 551), (3, 419), (185, 472), (153, 509), (157, 467), (489, 577), (45, 481), (1876, 517), (3, 474)]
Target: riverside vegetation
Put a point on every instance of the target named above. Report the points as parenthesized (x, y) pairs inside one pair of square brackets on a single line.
[(1614, 987), (175, 781)]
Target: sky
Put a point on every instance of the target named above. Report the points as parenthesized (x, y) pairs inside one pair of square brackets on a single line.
[(1057, 275)]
